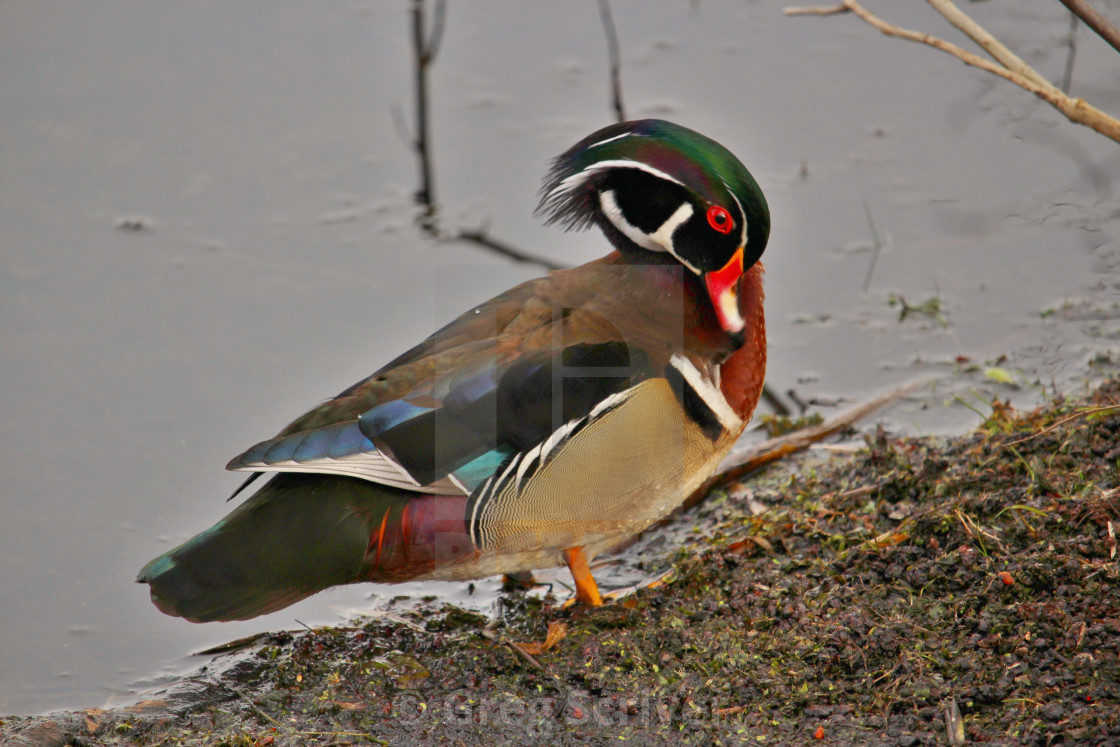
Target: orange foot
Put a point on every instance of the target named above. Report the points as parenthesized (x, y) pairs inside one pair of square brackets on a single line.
[(619, 594), (587, 591)]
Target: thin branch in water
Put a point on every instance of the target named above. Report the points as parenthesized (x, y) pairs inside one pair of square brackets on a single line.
[(615, 62), (483, 239), (436, 35), (402, 127), (744, 458), (425, 47), (801, 405), (422, 54), (1067, 76), (774, 401), (875, 249), (1095, 21)]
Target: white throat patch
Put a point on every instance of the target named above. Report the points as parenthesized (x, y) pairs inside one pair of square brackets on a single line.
[(708, 389)]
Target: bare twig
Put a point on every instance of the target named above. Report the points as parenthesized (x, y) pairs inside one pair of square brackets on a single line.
[(489, 633), (954, 724), (875, 251), (252, 705), (1062, 422), (1067, 75), (424, 52), (425, 47), (481, 238), (401, 127), (1075, 109), (774, 401), (1095, 21), (747, 459), (991, 45), (615, 62), (817, 10), (439, 17)]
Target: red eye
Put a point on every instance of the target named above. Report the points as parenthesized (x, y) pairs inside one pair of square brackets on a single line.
[(720, 219)]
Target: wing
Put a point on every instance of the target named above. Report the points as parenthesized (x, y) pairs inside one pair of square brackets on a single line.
[(448, 414)]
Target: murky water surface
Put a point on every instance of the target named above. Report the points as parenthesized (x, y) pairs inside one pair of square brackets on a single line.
[(206, 226)]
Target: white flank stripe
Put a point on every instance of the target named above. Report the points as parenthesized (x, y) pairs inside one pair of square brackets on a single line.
[(610, 402), (708, 392), (501, 479), (477, 505), (555, 439), (522, 468)]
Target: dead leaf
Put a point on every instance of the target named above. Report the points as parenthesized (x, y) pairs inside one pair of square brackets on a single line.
[(557, 631), (93, 719), (889, 538)]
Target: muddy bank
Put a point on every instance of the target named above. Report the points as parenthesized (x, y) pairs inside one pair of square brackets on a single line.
[(919, 592)]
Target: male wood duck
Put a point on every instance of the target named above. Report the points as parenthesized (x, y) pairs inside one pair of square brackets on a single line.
[(544, 426)]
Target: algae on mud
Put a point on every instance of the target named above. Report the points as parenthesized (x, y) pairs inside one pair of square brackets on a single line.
[(856, 600)]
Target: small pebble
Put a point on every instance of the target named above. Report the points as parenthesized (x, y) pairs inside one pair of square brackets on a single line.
[(1052, 711)]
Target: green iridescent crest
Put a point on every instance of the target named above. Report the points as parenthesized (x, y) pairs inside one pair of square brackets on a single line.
[(703, 166)]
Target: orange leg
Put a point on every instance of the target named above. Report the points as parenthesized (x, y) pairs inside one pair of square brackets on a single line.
[(587, 591)]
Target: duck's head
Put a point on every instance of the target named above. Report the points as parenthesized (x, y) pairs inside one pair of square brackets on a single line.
[(656, 187)]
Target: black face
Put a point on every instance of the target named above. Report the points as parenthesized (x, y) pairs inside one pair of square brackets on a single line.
[(709, 238), (646, 201), (704, 241)]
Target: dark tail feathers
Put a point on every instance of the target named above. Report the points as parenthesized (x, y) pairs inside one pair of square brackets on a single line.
[(297, 535)]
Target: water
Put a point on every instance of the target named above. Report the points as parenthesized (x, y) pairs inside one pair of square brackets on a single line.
[(276, 261)]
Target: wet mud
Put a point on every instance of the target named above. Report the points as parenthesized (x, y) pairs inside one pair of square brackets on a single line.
[(920, 591)]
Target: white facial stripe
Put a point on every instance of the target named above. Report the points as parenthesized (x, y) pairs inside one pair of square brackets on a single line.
[(708, 391), (614, 214), (660, 240), (575, 180), (610, 140), (664, 234), (743, 213)]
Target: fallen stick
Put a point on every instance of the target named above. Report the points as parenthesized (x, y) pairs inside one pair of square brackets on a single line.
[(747, 458)]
